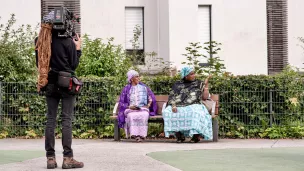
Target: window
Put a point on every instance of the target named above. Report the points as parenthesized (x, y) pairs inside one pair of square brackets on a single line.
[(277, 35), (134, 31), (204, 27), (72, 5)]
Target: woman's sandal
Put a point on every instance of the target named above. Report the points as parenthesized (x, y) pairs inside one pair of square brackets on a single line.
[(138, 139), (195, 138), (180, 137)]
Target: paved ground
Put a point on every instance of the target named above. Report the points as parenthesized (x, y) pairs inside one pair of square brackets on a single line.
[(270, 159), (13, 156), (106, 155)]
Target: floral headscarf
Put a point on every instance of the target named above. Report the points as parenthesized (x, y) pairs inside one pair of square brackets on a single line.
[(131, 74), (185, 71)]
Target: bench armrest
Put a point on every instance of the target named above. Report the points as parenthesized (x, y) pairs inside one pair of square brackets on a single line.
[(115, 109), (164, 107), (213, 109)]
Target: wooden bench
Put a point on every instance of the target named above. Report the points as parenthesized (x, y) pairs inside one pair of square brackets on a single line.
[(161, 104)]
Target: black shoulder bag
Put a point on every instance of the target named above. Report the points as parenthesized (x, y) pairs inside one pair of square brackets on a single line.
[(69, 81)]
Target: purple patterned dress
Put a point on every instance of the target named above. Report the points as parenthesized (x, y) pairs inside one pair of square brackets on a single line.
[(135, 122)]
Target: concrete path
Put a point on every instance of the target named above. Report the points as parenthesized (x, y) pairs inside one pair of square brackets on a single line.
[(107, 155)]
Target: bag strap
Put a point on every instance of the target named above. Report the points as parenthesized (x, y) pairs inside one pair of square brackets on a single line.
[(202, 86), (70, 71)]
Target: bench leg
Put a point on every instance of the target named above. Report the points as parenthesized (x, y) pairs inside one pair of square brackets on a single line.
[(215, 129), (116, 131)]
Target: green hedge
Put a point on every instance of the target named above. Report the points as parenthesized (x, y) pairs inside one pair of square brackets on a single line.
[(250, 107)]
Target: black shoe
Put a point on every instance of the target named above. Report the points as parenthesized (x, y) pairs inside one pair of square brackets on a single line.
[(180, 137), (195, 138)]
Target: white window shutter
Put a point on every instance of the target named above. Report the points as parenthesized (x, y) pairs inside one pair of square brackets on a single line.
[(134, 16), (204, 32)]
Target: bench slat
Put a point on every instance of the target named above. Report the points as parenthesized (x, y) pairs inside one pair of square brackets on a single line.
[(161, 101), (153, 117)]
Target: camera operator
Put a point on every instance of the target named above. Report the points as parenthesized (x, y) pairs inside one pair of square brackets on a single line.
[(55, 54)]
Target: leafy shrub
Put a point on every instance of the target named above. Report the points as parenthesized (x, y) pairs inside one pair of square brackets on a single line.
[(17, 60), (250, 106), (102, 59), (195, 57), (3, 134)]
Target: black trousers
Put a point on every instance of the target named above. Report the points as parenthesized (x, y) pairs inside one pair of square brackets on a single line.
[(53, 96)]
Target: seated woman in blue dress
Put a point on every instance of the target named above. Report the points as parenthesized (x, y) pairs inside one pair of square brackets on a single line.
[(186, 115)]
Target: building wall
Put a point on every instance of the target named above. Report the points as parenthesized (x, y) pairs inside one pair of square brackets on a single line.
[(106, 18), (99, 18), (241, 26), (26, 11), (295, 30), (163, 30), (103, 19)]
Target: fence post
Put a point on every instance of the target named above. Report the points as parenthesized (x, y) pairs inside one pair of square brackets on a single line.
[(270, 107), (1, 100)]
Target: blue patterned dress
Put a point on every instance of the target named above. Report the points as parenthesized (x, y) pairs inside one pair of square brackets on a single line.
[(192, 116)]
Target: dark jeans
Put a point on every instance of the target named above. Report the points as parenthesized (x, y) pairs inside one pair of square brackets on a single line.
[(53, 97)]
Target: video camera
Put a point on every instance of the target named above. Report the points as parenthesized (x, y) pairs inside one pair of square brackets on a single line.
[(64, 22)]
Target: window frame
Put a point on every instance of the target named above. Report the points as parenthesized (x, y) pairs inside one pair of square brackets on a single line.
[(140, 52), (204, 64)]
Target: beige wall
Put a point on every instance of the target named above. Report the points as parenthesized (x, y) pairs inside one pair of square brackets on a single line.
[(26, 11), (164, 30), (106, 18), (240, 25), (295, 30), (103, 19), (171, 24)]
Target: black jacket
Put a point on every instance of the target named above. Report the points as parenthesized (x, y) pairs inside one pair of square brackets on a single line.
[(64, 57)]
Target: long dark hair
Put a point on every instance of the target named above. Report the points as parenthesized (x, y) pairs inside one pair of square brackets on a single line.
[(43, 47)]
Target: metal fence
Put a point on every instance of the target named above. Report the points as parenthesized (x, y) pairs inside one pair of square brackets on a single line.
[(244, 113)]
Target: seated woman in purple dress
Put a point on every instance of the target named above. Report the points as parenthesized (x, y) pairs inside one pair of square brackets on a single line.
[(137, 102)]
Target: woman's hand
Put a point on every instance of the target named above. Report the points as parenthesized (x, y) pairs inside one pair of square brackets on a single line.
[(207, 80), (174, 109), (206, 88), (147, 107), (132, 108)]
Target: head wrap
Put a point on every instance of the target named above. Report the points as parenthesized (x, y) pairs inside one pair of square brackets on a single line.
[(131, 74), (48, 18), (185, 71)]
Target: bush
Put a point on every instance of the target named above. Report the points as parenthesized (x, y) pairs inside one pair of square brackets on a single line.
[(17, 57), (194, 57), (246, 109), (250, 106), (102, 59)]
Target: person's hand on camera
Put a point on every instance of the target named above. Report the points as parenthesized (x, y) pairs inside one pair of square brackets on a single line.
[(78, 42)]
